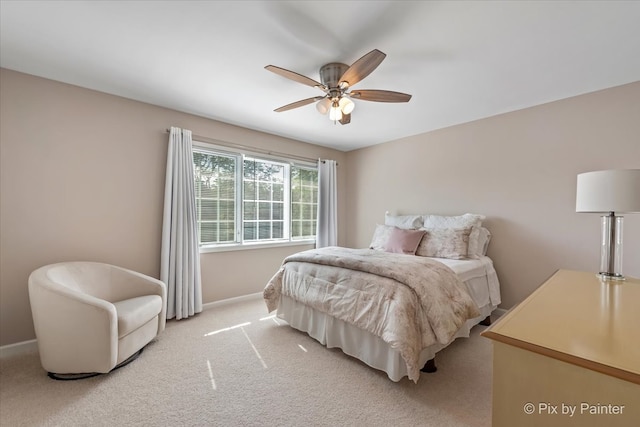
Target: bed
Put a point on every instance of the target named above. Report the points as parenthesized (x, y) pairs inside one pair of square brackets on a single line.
[(392, 305)]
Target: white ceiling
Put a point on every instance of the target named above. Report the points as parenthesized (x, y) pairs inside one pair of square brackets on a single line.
[(461, 60)]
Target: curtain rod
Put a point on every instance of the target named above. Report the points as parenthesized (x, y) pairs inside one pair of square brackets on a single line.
[(253, 149)]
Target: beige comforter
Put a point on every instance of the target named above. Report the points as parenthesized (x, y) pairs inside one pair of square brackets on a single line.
[(410, 302)]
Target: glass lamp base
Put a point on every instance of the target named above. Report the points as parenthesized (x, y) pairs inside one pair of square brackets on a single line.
[(611, 247)]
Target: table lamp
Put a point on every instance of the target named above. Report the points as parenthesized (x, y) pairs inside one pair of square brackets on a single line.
[(609, 192)]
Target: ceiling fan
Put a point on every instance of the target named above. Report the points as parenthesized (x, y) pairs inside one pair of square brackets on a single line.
[(337, 80)]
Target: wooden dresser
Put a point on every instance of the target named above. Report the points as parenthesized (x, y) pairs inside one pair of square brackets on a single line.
[(569, 355)]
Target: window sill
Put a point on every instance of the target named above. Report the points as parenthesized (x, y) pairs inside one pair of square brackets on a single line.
[(251, 246)]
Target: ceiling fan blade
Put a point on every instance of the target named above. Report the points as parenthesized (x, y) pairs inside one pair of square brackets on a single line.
[(380, 95), (298, 104), (294, 76), (363, 67), (345, 120)]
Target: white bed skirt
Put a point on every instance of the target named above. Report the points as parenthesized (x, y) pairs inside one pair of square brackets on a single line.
[(359, 343)]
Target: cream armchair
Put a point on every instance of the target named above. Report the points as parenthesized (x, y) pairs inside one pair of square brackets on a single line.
[(90, 317)]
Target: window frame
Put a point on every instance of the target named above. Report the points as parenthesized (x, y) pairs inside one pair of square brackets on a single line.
[(240, 243)]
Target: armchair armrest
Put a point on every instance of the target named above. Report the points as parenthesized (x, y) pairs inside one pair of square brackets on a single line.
[(127, 284)]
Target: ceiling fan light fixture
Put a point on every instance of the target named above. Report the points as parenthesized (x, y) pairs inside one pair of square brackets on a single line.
[(323, 105), (335, 113), (346, 105)]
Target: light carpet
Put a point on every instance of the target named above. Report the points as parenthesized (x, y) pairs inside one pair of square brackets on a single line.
[(237, 365)]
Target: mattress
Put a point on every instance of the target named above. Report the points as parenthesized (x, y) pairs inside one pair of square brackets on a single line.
[(479, 276)]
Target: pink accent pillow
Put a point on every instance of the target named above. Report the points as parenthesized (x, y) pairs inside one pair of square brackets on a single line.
[(404, 241)]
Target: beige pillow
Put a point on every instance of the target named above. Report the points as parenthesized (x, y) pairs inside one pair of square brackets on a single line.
[(460, 221), (450, 243), (380, 237)]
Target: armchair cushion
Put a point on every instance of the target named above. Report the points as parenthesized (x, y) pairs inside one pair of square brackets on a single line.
[(134, 312)]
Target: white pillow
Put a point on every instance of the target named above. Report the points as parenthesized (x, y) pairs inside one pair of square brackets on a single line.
[(483, 241), (403, 221), (460, 221), (380, 237)]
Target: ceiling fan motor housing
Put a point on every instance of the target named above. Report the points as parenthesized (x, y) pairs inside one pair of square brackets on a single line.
[(330, 75)]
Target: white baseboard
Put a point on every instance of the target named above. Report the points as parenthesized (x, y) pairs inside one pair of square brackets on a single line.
[(18, 348)]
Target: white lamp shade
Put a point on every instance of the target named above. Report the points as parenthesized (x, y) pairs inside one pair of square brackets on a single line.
[(609, 191), (335, 113), (346, 105), (323, 105)]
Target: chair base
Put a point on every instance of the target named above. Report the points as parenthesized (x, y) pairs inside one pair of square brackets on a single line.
[(73, 377)]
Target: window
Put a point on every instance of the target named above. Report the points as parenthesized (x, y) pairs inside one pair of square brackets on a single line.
[(245, 199), (215, 188), (304, 202), (263, 198)]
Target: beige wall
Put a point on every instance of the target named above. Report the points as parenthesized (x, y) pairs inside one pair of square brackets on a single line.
[(82, 177), (519, 169)]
